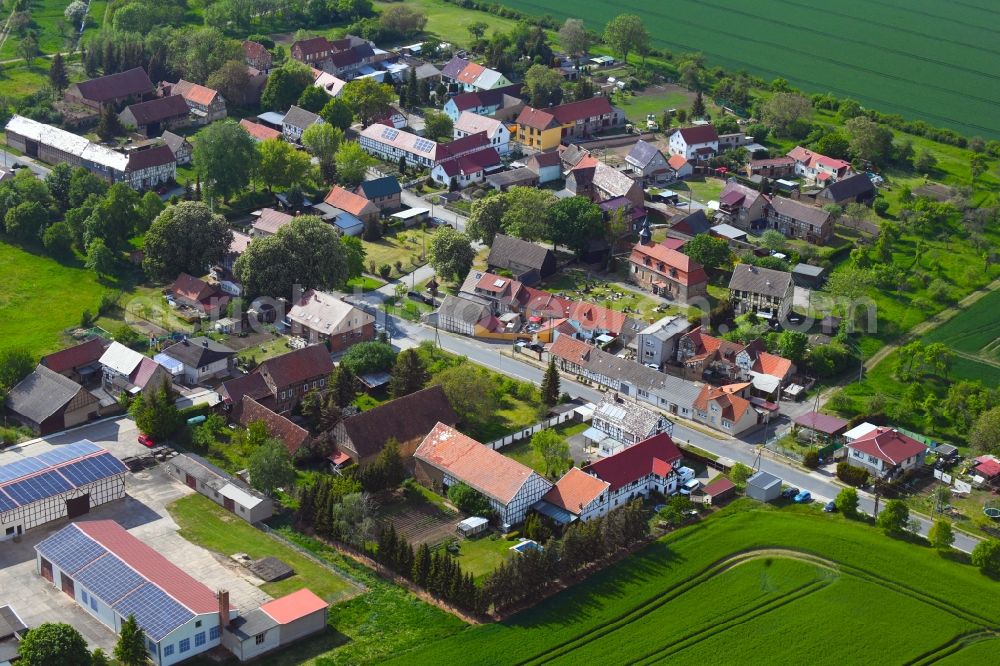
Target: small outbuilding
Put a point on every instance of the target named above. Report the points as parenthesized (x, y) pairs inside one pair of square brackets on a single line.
[(472, 526), (764, 487), (826, 426), (718, 491), (275, 624), (807, 275), (218, 486)]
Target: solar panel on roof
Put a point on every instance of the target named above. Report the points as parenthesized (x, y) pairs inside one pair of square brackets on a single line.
[(93, 469), (70, 549), (390, 133), (155, 611), (110, 579), (17, 469), (423, 145), (37, 487), (68, 452), (6, 503)]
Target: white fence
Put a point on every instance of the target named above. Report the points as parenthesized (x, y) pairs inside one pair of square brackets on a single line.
[(528, 432)]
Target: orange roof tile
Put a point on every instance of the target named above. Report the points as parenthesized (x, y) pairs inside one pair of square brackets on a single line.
[(688, 271), (348, 201), (576, 490), (769, 364), (470, 73), (491, 473), (733, 406), (293, 606), (569, 348), (592, 316), (258, 131)]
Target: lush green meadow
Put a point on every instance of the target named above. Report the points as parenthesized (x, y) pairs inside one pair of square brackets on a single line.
[(40, 298), (730, 584), (975, 330), (922, 58)]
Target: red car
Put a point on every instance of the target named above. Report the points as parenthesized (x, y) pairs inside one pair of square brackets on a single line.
[(146, 441)]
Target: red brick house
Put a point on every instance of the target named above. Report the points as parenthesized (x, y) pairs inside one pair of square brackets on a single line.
[(257, 56), (279, 383)]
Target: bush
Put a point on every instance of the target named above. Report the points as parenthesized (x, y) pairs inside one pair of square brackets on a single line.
[(880, 206), (986, 556), (469, 500), (384, 270), (811, 459), (851, 475)]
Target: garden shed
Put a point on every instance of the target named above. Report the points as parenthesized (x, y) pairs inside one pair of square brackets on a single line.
[(472, 526), (764, 487)]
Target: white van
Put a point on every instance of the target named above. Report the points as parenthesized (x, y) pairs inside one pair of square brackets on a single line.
[(690, 486)]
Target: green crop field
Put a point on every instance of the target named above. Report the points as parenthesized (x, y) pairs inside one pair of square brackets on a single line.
[(975, 330), (923, 59), (732, 584)]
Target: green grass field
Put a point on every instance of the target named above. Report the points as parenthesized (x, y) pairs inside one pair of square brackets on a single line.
[(923, 58), (975, 330), (207, 524), (40, 298), (450, 22), (732, 584)]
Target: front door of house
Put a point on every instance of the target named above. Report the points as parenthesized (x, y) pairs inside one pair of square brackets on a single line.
[(46, 570)]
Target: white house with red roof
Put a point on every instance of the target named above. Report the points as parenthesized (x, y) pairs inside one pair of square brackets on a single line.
[(112, 574), (817, 167), (695, 143), (446, 457), (886, 453), (579, 494), (726, 408)]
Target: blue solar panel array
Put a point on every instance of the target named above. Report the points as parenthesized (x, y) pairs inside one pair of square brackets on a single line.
[(110, 579), (25, 481), (92, 469), (68, 452), (37, 487), (155, 611), (70, 549)]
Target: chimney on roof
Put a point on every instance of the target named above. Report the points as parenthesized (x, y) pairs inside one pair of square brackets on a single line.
[(223, 597), (204, 343)]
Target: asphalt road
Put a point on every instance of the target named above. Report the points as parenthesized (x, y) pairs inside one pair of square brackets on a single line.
[(822, 486), (10, 159)]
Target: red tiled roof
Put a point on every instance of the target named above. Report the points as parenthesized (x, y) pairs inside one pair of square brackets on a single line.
[(150, 157), (770, 364), (470, 73), (491, 473), (773, 161), (888, 445), (193, 92), (484, 98), (677, 162), (581, 110), (254, 50), (699, 134), (75, 356), (151, 565), (258, 131), (823, 423), (732, 405), (144, 372), (294, 606), (271, 220), (688, 271), (157, 110), (575, 490), (592, 316), (719, 486), (811, 159), (531, 117), (657, 454), (299, 365), (465, 144), (313, 45), (546, 159), (569, 348), (987, 467), (472, 163), (291, 435), (192, 288), (252, 385), (346, 200)]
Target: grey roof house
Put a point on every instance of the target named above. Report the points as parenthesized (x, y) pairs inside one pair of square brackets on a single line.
[(203, 358), (460, 314), (528, 262), (296, 121), (762, 290), (764, 487), (798, 220), (853, 189), (179, 146), (647, 161), (47, 402), (657, 343)]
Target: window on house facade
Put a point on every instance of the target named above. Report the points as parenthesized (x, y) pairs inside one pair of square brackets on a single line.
[(184, 645), (93, 603), (199, 638), (259, 638), (215, 633), (151, 646), (168, 650)]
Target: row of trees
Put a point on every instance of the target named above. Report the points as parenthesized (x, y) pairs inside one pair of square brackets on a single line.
[(439, 573), (337, 508)]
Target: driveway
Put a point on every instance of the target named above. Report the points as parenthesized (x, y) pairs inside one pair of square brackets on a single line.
[(143, 512)]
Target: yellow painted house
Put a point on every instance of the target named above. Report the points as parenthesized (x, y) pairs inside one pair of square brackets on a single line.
[(539, 129)]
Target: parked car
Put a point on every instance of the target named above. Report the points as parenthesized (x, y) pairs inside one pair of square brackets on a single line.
[(803, 497), (789, 493), (690, 486), (685, 473), (146, 440), (830, 507)]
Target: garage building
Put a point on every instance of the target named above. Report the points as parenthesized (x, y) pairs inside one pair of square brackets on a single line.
[(764, 487), (111, 575), (275, 624), (64, 482)]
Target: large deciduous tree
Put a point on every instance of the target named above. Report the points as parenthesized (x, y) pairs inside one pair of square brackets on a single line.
[(366, 357), (787, 114), (368, 99), (544, 86), (451, 253), (280, 165), (527, 210), (224, 157), (306, 252), (438, 126), (575, 222), (352, 164), (232, 81), (553, 450), (322, 140), (573, 37), (186, 237), (486, 217), (626, 33), (53, 643), (471, 393), (868, 140), (985, 433), (270, 467), (285, 85), (708, 251), (337, 113)]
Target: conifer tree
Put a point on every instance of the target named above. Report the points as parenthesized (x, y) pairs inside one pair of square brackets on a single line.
[(550, 385)]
